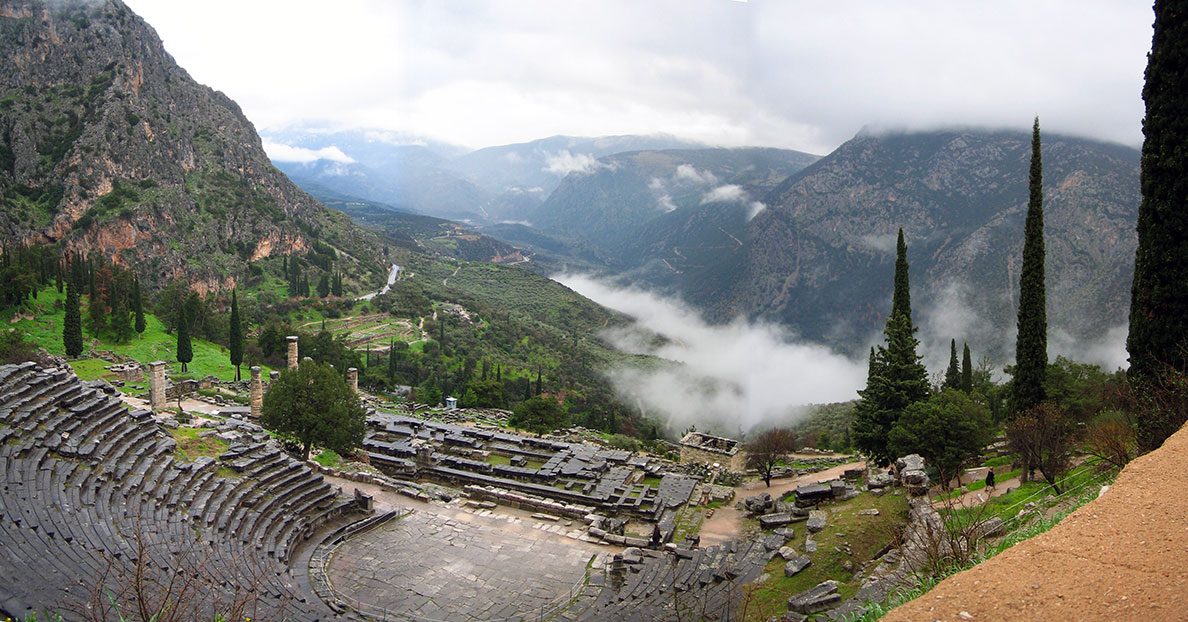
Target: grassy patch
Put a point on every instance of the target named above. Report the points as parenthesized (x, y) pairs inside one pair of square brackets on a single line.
[(687, 522), (866, 535), (498, 459), (226, 472), (1001, 460), (191, 446), (328, 458), (651, 481), (1009, 505)]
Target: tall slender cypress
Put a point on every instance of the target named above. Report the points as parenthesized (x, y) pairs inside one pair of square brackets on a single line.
[(72, 325), (185, 350), (966, 371), (1157, 342), (138, 307), (901, 298), (953, 373), (1031, 343), (235, 334)]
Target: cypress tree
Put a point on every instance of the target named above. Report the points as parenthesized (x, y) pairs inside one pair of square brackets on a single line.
[(185, 350), (1031, 343), (896, 377), (953, 373), (72, 326), (235, 334), (392, 361), (966, 371), (58, 279), (901, 298), (1158, 307), (538, 382), (138, 307)]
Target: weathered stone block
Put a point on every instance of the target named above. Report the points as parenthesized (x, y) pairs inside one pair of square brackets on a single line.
[(796, 564), (816, 599), (816, 522)]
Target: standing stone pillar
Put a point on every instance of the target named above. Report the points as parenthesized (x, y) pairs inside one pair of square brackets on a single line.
[(257, 391), (272, 376), (353, 378), (292, 351), (157, 385)]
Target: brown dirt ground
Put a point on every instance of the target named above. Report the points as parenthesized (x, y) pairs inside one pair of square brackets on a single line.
[(1119, 557)]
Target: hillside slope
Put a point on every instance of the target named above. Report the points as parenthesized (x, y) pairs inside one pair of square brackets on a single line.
[(1118, 557), (107, 146)]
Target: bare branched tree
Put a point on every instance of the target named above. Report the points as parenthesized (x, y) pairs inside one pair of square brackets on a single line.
[(767, 449), (1044, 435)]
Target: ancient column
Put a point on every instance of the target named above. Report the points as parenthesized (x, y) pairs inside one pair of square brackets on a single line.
[(353, 378), (272, 376), (257, 391), (157, 385), (292, 351)]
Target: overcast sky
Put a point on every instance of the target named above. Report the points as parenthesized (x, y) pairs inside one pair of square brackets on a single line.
[(805, 75)]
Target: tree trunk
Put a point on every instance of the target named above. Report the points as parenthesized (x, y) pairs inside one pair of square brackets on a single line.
[(305, 452)]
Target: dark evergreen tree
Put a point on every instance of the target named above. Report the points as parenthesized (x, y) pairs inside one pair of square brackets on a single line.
[(1031, 343), (58, 279), (324, 286), (392, 362), (538, 384), (138, 307), (235, 334), (901, 297), (185, 350), (121, 321), (1158, 339), (72, 338), (896, 378), (953, 373), (315, 405), (966, 370)]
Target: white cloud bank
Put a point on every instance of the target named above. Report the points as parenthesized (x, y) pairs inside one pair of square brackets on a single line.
[(725, 194), (729, 378), (565, 163), (287, 153)]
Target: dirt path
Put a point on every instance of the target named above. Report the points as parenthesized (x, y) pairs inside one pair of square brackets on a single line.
[(975, 497), (1119, 557), (727, 521)]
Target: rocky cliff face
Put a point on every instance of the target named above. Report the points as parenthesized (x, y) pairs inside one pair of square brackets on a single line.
[(107, 146)]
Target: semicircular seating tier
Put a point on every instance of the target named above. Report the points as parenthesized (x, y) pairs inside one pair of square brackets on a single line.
[(96, 505)]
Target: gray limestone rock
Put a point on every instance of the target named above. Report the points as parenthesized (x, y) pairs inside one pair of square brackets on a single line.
[(816, 599), (797, 564), (816, 521), (788, 553)]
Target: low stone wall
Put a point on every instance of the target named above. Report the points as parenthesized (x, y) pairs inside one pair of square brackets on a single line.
[(733, 462), (526, 502)]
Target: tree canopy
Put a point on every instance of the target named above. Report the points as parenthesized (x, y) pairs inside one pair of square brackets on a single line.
[(947, 430), (539, 414), (314, 405)]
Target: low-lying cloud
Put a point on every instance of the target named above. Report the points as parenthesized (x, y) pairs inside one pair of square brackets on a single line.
[(726, 194), (564, 163), (728, 378), (288, 153), (689, 173)]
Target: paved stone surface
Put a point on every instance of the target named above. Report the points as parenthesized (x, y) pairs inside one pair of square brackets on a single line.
[(459, 566)]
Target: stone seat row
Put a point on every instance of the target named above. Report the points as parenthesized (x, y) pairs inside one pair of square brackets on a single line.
[(87, 488)]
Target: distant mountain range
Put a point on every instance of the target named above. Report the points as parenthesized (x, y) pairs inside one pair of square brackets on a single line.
[(485, 186), (807, 242)]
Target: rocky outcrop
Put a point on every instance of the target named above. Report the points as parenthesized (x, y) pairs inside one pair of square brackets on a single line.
[(109, 147)]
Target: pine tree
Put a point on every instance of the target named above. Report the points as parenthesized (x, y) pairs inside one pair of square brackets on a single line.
[(896, 378), (953, 373), (138, 307), (72, 326), (1031, 343), (324, 286), (185, 350), (966, 371), (235, 334)]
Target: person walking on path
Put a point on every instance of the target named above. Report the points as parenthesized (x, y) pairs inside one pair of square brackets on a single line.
[(990, 480)]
